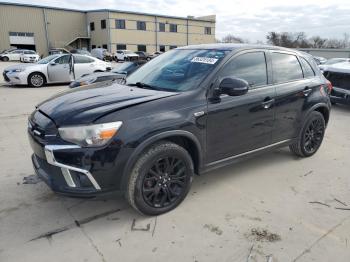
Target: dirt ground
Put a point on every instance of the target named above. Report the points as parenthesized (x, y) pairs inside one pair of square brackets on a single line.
[(275, 207)]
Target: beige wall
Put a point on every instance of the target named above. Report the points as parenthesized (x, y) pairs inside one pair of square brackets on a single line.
[(99, 36), (22, 19)]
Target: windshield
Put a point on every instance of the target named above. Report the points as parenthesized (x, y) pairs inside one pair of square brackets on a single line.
[(124, 67), (47, 59), (177, 70)]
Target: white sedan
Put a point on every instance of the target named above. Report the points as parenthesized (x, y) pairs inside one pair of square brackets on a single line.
[(29, 56), (59, 68), (125, 55)]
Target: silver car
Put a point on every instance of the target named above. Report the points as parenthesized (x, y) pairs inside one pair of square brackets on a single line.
[(59, 68)]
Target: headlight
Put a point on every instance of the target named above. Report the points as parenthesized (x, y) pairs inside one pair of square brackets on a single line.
[(87, 82), (17, 70), (92, 135)]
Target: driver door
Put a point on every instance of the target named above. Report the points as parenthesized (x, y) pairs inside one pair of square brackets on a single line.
[(61, 69), (239, 124)]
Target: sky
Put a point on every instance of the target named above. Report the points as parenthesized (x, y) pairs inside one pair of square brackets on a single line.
[(247, 19)]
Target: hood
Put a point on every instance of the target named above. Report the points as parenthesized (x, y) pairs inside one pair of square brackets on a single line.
[(19, 66), (343, 67), (85, 105)]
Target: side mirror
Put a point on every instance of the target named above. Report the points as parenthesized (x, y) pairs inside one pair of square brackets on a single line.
[(53, 63), (233, 86)]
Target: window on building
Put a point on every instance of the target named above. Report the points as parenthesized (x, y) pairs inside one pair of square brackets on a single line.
[(161, 27), (142, 48), (285, 67), (141, 25), (162, 48), (250, 67), (93, 46), (173, 28), (103, 24), (172, 47), (92, 26), (207, 30), (121, 47), (120, 24), (104, 46)]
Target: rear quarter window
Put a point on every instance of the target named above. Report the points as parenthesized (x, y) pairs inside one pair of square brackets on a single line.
[(307, 69), (286, 67)]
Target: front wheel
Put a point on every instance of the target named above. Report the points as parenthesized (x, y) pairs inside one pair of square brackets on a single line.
[(160, 179), (5, 59), (36, 80), (311, 136)]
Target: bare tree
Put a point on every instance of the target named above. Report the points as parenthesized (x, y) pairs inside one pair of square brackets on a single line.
[(317, 42), (232, 39)]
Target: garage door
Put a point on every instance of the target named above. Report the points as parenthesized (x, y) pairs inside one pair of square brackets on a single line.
[(22, 40)]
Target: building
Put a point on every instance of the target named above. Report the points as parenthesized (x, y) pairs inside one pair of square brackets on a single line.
[(42, 28)]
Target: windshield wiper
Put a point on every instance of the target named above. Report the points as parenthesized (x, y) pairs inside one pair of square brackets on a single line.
[(143, 85)]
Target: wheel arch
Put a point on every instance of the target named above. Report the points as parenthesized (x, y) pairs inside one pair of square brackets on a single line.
[(180, 137), (322, 108)]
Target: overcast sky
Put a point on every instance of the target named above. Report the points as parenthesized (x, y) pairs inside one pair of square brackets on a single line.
[(244, 18)]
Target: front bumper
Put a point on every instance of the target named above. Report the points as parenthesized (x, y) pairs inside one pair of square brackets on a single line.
[(16, 78), (340, 95)]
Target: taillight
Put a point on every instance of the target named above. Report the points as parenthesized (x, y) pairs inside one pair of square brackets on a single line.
[(329, 86)]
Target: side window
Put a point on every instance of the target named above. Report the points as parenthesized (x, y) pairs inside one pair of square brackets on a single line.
[(63, 59), (286, 67), (308, 71), (80, 59), (250, 67)]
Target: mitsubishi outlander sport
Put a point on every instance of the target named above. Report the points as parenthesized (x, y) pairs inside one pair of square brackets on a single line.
[(188, 111)]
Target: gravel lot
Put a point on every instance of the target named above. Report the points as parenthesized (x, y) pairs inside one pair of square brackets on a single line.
[(251, 211)]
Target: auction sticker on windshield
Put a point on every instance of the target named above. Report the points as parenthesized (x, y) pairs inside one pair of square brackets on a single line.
[(204, 60)]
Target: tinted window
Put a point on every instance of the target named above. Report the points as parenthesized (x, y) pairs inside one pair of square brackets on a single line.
[(250, 67), (161, 27), (29, 52), (80, 59), (162, 48), (120, 24), (63, 59), (308, 71), (141, 48), (207, 30), (285, 67), (141, 25), (121, 47), (104, 46), (92, 26)]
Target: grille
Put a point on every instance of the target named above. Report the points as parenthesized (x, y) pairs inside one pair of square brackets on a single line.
[(340, 80)]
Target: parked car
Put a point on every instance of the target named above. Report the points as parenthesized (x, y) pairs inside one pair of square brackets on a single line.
[(339, 75), (29, 56), (125, 55), (143, 55), (188, 111), (80, 51), (155, 54), (60, 68), (102, 54), (12, 55), (320, 60), (332, 61), (119, 73), (55, 51)]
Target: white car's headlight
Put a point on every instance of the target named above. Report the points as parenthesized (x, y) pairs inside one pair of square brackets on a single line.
[(17, 70), (91, 135)]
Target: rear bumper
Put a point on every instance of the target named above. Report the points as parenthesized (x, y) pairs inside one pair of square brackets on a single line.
[(340, 95)]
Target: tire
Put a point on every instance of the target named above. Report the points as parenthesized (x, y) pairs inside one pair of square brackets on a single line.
[(160, 179), (36, 79), (311, 136), (5, 59)]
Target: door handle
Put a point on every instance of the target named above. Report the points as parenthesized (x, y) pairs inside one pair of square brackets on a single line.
[(307, 91), (267, 103)]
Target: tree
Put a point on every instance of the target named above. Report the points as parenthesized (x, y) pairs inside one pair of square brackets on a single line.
[(232, 39), (317, 42)]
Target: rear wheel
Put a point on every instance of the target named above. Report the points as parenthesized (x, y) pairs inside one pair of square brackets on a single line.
[(160, 179), (311, 136), (36, 80)]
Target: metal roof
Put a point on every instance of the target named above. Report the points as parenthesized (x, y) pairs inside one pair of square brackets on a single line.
[(105, 10)]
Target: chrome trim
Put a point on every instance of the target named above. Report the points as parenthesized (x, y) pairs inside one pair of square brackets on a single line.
[(248, 152), (50, 157)]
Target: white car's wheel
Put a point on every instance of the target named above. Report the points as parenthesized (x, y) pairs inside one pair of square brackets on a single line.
[(36, 79), (5, 58)]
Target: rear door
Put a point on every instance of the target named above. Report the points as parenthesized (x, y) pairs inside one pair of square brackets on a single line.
[(83, 65), (292, 89), (60, 70), (238, 124)]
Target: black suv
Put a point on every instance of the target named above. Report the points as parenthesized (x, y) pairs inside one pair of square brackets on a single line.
[(188, 111)]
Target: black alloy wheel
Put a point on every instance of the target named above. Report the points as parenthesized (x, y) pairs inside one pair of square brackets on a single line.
[(313, 136)]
